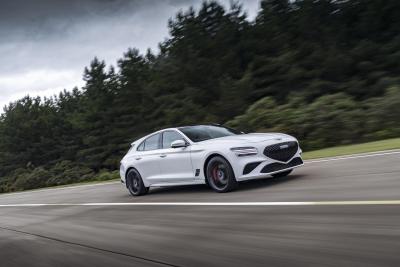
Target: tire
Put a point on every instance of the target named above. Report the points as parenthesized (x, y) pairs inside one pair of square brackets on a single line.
[(220, 176), (135, 184), (281, 174)]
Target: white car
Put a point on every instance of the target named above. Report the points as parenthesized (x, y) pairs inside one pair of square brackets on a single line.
[(207, 154)]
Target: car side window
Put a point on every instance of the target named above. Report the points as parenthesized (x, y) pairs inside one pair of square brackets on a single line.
[(152, 142), (169, 137), (141, 147)]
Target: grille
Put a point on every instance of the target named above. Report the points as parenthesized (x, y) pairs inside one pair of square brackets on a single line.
[(281, 151), (273, 167)]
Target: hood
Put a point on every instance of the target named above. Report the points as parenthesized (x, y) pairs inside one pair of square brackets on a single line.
[(250, 138)]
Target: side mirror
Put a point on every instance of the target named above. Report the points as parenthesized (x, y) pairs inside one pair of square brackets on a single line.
[(178, 143)]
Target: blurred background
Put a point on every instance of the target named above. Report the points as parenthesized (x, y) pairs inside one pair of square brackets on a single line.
[(327, 72)]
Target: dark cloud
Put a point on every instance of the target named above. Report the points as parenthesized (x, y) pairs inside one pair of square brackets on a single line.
[(51, 18), (37, 10), (45, 44)]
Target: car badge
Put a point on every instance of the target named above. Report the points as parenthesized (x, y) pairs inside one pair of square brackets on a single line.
[(284, 146)]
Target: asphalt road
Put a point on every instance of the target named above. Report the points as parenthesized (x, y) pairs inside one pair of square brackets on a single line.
[(307, 230)]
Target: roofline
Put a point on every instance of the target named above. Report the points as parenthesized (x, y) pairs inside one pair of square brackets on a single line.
[(175, 128)]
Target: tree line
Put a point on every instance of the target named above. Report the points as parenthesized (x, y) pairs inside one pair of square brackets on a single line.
[(325, 71)]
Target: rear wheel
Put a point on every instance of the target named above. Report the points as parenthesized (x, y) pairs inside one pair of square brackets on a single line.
[(281, 174), (135, 184), (220, 175)]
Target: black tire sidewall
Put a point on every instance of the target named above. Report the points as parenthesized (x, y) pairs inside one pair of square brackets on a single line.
[(142, 189), (232, 183)]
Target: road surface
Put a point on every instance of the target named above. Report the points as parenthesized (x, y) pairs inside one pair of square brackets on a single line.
[(342, 212)]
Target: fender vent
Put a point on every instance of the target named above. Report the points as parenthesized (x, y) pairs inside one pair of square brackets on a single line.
[(197, 172)]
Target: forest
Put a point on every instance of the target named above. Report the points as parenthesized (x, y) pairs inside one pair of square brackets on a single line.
[(327, 72)]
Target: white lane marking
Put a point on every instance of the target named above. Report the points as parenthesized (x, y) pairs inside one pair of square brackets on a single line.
[(288, 203), (355, 156)]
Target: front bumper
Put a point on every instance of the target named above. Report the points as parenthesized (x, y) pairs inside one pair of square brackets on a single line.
[(260, 166)]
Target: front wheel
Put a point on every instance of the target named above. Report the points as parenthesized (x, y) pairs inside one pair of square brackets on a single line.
[(135, 184), (281, 174), (220, 175)]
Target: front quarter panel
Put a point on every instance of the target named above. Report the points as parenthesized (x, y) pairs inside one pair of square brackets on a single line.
[(201, 152)]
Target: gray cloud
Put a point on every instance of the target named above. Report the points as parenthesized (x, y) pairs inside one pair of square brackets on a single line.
[(45, 44)]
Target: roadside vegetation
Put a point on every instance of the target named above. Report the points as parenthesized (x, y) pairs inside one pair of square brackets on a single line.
[(327, 72), (383, 145)]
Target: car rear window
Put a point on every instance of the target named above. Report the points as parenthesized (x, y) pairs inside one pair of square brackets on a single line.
[(152, 143)]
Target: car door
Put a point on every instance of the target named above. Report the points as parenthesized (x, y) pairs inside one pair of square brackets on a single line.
[(147, 158), (175, 163)]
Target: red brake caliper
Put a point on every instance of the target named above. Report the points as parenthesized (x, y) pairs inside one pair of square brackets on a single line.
[(215, 173)]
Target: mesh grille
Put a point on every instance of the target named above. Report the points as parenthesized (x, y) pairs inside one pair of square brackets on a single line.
[(281, 151), (273, 167)]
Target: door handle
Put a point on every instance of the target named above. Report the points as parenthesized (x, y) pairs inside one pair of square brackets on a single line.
[(138, 158), (163, 156)]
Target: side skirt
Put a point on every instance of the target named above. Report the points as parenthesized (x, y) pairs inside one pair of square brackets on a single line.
[(179, 183)]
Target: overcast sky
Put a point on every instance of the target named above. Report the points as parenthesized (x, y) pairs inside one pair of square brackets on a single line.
[(45, 44)]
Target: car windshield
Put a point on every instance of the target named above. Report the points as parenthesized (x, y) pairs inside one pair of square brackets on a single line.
[(206, 132)]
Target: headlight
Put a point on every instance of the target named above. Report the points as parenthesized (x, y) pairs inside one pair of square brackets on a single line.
[(244, 151)]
